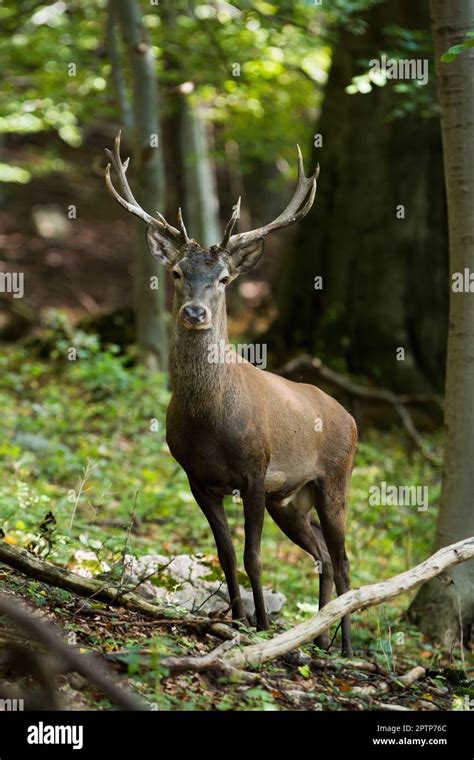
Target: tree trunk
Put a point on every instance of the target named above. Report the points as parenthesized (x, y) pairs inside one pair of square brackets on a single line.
[(441, 610), (189, 170), (147, 166), (117, 73), (201, 203), (384, 278)]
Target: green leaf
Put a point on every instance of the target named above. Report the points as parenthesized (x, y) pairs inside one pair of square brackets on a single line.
[(448, 57), (455, 50)]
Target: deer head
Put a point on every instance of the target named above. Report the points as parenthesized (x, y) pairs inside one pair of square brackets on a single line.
[(202, 274)]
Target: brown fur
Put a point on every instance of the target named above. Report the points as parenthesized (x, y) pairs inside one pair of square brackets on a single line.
[(232, 426)]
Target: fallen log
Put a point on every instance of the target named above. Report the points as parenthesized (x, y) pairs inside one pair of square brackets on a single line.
[(99, 590), (92, 588), (351, 601), (407, 680)]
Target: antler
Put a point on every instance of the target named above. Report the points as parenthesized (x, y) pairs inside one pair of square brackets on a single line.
[(295, 210), (230, 225), (176, 236)]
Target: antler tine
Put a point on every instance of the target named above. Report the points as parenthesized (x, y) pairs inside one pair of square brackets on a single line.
[(129, 202), (231, 224), (134, 208), (297, 208), (305, 184), (120, 169), (173, 233), (184, 233)]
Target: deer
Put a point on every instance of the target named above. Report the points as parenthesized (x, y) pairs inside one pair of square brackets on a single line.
[(287, 448)]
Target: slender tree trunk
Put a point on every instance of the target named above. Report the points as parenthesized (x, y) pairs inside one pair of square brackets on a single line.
[(189, 170), (202, 205), (440, 609), (117, 73), (147, 165)]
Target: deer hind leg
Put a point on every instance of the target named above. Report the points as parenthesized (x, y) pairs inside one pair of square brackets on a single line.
[(331, 506), (296, 522)]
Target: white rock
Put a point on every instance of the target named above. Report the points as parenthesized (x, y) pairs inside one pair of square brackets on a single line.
[(192, 589)]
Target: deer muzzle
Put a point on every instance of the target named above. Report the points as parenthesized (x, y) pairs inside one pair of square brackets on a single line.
[(195, 316)]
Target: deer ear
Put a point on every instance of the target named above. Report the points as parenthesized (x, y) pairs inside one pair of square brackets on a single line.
[(247, 255), (161, 248)]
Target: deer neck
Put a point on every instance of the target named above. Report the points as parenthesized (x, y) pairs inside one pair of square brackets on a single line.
[(198, 375)]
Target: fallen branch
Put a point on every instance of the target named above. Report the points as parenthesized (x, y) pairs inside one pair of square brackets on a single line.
[(351, 601), (211, 659), (408, 679), (308, 363), (99, 590), (339, 663), (87, 666), (413, 675)]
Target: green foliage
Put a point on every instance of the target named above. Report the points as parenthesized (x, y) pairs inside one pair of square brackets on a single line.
[(78, 442), (257, 69), (450, 55), (80, 457), (58, 335), (51, 65)]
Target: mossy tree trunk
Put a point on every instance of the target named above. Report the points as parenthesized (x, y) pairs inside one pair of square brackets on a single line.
[(446, 610), (147, 168), (201, 202)]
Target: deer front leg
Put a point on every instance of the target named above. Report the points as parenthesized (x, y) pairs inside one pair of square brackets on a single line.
[(254, 513), (213, 508)]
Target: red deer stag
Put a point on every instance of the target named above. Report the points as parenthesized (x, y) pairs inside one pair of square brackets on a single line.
[(286, 447)]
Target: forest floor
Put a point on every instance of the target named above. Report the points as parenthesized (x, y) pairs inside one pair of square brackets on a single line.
[(132, 646), (88, 477)]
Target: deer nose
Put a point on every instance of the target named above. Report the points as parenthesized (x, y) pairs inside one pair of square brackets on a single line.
[(194, 314)]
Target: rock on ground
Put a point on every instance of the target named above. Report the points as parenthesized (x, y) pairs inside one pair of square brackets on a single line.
[(186, 581)]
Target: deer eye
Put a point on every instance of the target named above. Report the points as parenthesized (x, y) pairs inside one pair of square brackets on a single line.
[(176, 275), (224, 281)]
